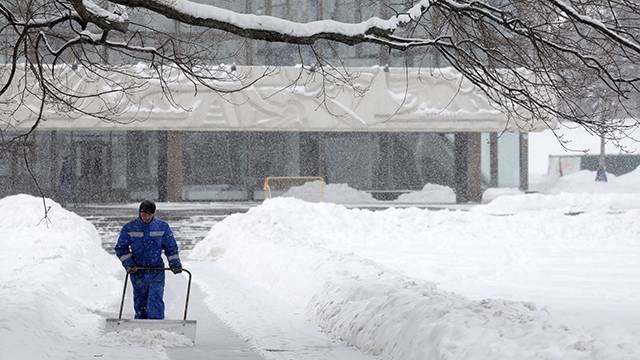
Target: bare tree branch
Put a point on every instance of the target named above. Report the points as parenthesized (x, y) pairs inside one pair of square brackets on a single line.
[(532, 59)]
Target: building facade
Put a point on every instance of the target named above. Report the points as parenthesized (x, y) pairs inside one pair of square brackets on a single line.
[(441, 131)]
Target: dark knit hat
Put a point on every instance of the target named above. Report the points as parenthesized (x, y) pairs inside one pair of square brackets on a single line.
[(147, 206)]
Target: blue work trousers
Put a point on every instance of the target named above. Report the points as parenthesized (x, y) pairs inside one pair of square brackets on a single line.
[(148, 290)]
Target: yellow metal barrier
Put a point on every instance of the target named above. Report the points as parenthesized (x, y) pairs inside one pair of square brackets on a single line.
[(295, 180)]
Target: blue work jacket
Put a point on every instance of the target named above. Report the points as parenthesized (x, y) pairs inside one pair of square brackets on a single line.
[(142, 244)]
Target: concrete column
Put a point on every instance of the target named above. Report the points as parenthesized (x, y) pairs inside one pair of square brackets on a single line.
[(119, 161), (52, 159), (292, 154), (162, 154), (467, 167), (387, 151), (175, 165), (312, 159), (524, 161), (493, 159), (322, 156)]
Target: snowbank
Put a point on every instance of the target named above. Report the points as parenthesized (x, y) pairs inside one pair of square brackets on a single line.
[(492, 193), (584, 182), (55, 278), (57, 286), (575, 192), (344, 194), (430, 193), (365, 277), (333, 193), (564, 203)]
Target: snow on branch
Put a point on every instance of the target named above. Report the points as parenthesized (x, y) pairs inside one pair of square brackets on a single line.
[(598, 25), (106, 20), (116, 16), (270, 28)]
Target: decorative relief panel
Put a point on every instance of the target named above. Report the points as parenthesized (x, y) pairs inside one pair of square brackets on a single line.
[(291, 99)]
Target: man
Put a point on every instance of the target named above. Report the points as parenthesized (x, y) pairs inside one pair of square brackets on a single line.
[(139, 246)]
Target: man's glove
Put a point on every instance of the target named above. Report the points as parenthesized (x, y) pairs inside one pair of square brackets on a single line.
[(176, 270), (131, 269)]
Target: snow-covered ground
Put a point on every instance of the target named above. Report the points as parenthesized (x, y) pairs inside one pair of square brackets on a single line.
[(56, 281), (57, 286), (583, 182), (535, 276), (415, 284)]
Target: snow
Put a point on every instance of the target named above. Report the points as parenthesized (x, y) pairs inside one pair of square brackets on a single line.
[(527, 276), (564, 203), (430, 193), (274, 24), (46, 282), (273, 328), (334, 193), (584, 181), (117, 16), (57, 286), (345, 194), (411, 284), (577, 192), (492, 193)]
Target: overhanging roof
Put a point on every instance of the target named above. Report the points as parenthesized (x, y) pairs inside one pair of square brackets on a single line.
[(293, 99)]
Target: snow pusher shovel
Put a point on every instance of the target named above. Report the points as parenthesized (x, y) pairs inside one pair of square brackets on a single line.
[(183, 327)]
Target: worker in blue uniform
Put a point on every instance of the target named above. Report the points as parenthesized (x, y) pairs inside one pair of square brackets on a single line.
[(139, 246)]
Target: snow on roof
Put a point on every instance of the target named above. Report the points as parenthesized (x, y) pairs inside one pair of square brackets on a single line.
[(290, 99)]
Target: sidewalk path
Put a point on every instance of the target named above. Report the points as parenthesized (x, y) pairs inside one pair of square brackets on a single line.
[(214, 340), (277, 329)]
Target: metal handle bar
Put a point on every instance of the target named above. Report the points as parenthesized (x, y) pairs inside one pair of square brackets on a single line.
[(126, 279)]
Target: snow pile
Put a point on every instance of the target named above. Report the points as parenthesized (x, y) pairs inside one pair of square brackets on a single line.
[(365, 277), (344, 194), (574, 193), (562, 203), (54, 279), (333, 193), (309, 191), (430, 193), (584, 182), (492, 193)]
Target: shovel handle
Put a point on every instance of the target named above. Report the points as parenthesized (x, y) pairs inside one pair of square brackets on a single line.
[(126, 280)]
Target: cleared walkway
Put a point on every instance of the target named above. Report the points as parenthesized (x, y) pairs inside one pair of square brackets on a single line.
[(289, 336), (214, 340)]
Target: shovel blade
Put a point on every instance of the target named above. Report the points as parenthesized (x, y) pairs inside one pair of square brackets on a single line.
[(186, 328)]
